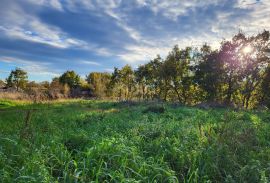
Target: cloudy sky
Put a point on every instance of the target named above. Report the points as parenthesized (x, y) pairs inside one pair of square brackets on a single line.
[(47, 37)]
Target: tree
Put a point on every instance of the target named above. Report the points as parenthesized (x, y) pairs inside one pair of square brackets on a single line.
[(99, 82), (57, 89), (176, 71), (122, 82), (265, 88), (140, 78), (154, 79), (127, 79), (256, 63), (17, 78), (2, 83), (71, 79), (233, 67), (114, 87), (208, 73), (162, 81)]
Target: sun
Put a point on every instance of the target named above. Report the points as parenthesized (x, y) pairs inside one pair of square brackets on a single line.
[(247, 49)]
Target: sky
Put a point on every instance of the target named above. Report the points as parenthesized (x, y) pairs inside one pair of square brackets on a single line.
[(48, 37)]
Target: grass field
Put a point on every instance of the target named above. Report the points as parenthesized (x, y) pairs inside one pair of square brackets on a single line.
[(84, 141)]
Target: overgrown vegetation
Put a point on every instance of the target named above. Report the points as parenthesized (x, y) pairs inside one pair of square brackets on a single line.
[(83, 141)]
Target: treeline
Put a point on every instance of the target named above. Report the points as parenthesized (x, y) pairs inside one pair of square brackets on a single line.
[(67, 85), (238, 73)]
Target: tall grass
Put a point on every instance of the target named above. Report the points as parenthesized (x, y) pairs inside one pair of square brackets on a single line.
[(84, 141), (14, 96)]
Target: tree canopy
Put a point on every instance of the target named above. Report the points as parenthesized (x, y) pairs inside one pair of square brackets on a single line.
[(17, 78), (71, 78)]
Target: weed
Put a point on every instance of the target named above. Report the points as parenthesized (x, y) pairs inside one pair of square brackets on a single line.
[(99, 141)]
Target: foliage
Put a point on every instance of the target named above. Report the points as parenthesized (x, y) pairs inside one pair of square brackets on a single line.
[(266, 88), (98, 83), (17, 78), (208, 73), (2, 83), (122, 82), (58, 90), (98, 141), (233, 75), (70, 78)]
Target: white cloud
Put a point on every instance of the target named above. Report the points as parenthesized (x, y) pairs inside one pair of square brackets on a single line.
[(3, 71), (16, 23), (109, 7), (31, 66), (108, 70), (86, 62), (172, 9), (19, 24), (102, 51), (246, 3), (256, 17), (56, 4), (138, 54), (141, 53), (41, 33)]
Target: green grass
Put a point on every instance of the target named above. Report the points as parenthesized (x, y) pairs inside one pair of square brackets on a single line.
[(84, 141)]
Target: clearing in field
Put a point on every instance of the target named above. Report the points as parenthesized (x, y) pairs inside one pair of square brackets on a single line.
[(84, 141)]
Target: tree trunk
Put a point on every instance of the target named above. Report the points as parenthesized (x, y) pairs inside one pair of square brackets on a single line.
[(143, 92), (229, 92), (178, 94), (185, 96), (244, 101), (165, 96), (247, 101)]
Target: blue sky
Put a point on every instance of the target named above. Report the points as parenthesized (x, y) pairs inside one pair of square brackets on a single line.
[(48, 37)]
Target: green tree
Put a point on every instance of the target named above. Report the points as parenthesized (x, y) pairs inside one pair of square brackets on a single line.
[(114, 86), (127, 79), (265, 89), (154, 78), (233, 67), (177, 69), (71, 78), (140, 77), (17, 78), (99, 82), (256, 62), (208, 73)]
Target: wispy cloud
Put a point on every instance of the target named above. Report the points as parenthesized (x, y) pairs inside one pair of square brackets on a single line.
[(172, 9), (56, 4), (139, 54), (40, 33), (108, 70), (90, 63), (4, 71), (31, 66), (20, 24)]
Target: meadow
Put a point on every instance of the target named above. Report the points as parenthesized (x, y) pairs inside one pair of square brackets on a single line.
[(103, 141)]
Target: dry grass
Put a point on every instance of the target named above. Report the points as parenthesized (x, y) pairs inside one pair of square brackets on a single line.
[(14, 96)]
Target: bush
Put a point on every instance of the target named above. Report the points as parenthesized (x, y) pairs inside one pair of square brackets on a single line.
[(155, 109)]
